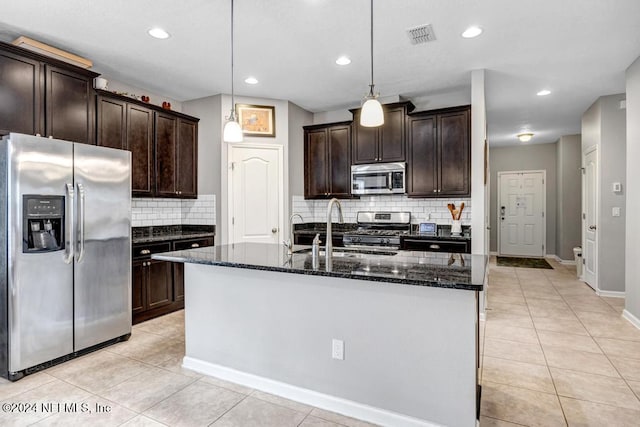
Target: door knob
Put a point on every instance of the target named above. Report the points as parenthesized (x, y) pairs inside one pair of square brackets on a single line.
[(592, 227), (274, 230)]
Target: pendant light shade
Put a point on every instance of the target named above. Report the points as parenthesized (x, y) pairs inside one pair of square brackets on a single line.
[(232, 131), (371, 114)]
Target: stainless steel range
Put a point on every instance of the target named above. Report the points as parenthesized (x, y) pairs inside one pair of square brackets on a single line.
[(379, 229)]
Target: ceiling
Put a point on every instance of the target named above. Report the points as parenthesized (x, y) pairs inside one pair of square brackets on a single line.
[(578, 49)]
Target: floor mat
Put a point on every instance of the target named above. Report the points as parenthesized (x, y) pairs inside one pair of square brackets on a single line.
[(504, 261)]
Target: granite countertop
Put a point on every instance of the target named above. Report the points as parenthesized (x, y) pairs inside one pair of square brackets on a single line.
[(436, 269), (170, 232)]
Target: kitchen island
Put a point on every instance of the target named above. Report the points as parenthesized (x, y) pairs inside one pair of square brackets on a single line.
[(391, 339)]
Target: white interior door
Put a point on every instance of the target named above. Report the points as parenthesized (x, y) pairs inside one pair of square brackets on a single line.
[(256, 194), (521, 206), (590, 219)]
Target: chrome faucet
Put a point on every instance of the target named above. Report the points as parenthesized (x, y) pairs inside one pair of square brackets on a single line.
[(289, 244), (328, 246)]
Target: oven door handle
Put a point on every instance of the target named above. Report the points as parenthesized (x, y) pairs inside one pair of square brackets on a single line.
[(390, 182)]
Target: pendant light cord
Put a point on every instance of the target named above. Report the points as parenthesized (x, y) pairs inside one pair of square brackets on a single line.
[(233, 105), (371, 85)]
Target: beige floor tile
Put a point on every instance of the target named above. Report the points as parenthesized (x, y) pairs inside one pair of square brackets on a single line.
[(594, 388), (143, 345), (505, 299), (9, 389), (197, 404), (597, 306), (521, 352), (99, 371), (552, 312), (141, 392), (582, 361), (99, 412), (568, 341), (547, 303), (174, 364), (608, 326), (546, 293), (619, 348), (226, 384), (509, 319), (142, 421), (635, 386), (567, 326), (252, 412), (338, 418), (510, 333), (277, 400), (521, 406), (628, 368), (517, 309), (582, 413), (517, 374), (492, 422), (572, 290), (312, 421)]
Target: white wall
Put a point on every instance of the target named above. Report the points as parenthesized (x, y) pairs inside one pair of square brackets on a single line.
[(632, 249), (569, 196)]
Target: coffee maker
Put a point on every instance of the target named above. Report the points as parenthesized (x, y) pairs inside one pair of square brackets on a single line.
[(43, 223)]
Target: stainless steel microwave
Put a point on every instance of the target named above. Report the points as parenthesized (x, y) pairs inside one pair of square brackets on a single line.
[(378, 178)]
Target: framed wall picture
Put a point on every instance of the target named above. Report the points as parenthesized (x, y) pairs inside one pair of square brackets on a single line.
[(257, 120)]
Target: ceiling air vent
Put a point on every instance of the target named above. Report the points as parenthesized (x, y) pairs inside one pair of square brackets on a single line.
[(421, 34)]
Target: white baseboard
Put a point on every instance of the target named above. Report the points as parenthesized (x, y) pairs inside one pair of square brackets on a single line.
[(306, 396), (565, 261), (612, 294), (631, 318), (493, 253)]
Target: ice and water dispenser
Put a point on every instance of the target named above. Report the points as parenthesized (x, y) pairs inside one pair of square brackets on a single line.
[(43, 223)]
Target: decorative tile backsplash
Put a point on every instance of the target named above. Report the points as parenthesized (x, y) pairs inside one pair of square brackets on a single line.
[(147, 212), (422, 210)]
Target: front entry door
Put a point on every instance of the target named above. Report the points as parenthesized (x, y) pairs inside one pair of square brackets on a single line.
[(590, 218), (521, 213), (255, 194)]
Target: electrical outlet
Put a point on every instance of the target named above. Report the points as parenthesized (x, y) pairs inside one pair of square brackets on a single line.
[(337, 349)]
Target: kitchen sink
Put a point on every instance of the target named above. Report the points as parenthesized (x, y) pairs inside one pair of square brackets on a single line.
[(351, 252)]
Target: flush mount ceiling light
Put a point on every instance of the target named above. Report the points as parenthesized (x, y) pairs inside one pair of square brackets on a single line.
[(472, 32), (371, 114), (343, 60), (232, 131), (158, 33), (544, 92), (525, 136), (251, 81)]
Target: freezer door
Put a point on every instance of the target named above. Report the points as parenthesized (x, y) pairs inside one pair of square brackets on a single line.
[(102, 292), (40, 284)]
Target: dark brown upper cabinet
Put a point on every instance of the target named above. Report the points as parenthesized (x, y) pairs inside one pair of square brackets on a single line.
[(439, 153), (327, 166), (41, 95), (381, 144), (163, 145)]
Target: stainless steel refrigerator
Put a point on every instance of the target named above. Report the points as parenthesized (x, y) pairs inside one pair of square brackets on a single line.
[(65, 255)]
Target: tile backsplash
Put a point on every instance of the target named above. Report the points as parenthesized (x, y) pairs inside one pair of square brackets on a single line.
[(422, 210), (200, 211)]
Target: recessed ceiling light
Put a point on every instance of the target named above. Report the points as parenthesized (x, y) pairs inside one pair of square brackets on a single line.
[(158, 33), (251, 80), (343, 60), (525, 137), (544, 92), (472, 32)]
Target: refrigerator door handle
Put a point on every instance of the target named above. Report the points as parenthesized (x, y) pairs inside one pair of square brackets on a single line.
[(69, 228), (80, 242)]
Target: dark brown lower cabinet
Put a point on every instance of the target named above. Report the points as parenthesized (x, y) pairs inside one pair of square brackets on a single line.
[(157, 287)]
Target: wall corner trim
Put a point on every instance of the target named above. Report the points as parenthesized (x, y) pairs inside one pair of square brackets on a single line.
[(610, 294), (631, 318)]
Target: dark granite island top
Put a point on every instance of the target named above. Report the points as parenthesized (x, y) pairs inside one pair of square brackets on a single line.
[(442, 270)]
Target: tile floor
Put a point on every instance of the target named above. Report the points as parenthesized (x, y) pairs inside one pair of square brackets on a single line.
[(143, 384), (556, 354), (553, 353)]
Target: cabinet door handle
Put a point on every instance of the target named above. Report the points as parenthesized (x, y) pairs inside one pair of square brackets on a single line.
[(434, 246), (195, 245), (145, 252), (435, 190)]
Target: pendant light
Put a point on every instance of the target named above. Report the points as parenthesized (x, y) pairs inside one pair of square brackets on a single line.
[(371, 114), (232, 131)]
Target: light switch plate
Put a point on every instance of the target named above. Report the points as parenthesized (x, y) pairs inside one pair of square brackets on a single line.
[(617, 187), (615, 211)]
